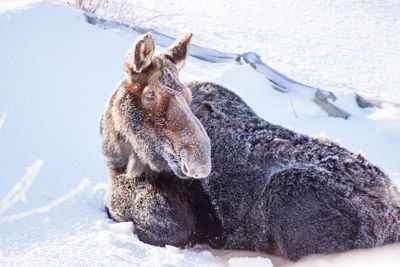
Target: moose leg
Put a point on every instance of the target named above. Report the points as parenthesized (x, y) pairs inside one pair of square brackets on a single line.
[(117, 153), (308, 217), (159, 209), (168, 218)]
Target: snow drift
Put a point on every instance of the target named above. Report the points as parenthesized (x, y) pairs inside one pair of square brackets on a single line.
[(57, 72)]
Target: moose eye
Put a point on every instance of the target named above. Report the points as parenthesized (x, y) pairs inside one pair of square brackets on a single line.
[(151, 96)]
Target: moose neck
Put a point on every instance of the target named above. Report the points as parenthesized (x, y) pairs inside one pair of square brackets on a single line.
[(138, 168)]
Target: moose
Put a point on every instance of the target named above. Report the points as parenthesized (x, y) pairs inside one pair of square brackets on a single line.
[(194, 164)]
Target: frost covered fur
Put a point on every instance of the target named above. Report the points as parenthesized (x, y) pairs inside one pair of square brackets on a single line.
[(274, 189), (270, 189)]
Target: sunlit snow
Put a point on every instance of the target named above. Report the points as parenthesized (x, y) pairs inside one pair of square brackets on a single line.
[(57, 72)]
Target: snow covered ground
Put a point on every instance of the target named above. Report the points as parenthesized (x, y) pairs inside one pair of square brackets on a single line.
[(15, 4), (56, 73), (335, 45)]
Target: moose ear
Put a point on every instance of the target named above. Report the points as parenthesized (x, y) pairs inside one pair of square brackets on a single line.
[(178, 51), (140, 55)]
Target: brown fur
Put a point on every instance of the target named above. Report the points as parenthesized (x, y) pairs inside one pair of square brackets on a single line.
[(149, 129), (270, 188)]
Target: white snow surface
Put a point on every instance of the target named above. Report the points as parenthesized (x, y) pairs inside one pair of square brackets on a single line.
[(331, 44), (15, 4), (245, 261), (56, 74)]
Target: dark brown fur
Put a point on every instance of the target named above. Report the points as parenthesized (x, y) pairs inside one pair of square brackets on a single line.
[(270, 189), (273, 188)]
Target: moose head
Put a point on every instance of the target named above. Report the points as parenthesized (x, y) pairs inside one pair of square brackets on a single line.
[(155, 114)]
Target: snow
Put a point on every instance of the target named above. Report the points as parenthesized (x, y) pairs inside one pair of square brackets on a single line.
[(335, 45), (15, 4), (57, 72), (2, 119), (254, 262)]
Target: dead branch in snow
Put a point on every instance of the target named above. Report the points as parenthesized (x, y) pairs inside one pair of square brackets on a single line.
[(20, 189), (48, 206), (18, 192), (280, 82)]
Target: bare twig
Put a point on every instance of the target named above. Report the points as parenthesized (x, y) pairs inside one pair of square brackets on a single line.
[(99, 4), (120, 15), (158, 16), (18, 192), (294, 111), (49, 205), (79, 3)]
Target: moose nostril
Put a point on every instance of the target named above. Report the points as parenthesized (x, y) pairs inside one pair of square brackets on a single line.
[(185, 168), (194, 170)]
